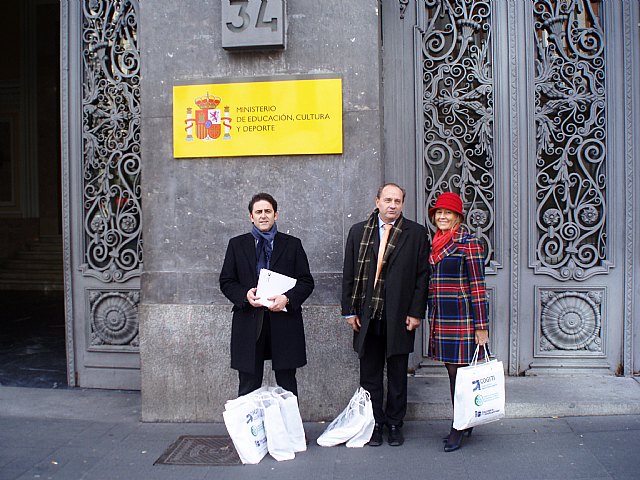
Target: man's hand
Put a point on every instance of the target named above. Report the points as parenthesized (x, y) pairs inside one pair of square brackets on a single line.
[(412, 323), (279, 302), (253, 300), (354, 321)]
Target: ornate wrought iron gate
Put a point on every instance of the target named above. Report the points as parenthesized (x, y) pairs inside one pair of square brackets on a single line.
[(517, 109), (101, 170)]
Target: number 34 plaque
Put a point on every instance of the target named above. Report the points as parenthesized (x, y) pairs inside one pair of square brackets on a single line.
[(253, 24)]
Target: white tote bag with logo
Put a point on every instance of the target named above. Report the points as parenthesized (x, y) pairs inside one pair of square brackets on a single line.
[(244, 419), (479, 396)]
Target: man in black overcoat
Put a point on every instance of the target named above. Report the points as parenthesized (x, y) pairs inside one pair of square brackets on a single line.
[(384, 297), (259, 333)]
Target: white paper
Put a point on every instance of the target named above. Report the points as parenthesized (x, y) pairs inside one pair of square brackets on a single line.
[(271, 284)]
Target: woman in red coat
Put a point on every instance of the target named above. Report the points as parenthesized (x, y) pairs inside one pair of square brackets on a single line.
[(457, 304)]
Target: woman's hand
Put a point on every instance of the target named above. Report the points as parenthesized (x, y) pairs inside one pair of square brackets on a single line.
[(482, 337)]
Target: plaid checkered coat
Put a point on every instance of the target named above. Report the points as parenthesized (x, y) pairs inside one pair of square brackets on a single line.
[(457, 301)]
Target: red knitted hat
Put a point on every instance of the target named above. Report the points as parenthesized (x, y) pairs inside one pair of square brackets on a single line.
[(448, 201)]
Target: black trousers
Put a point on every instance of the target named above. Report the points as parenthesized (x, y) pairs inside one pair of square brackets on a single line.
[(372, 379), (248, 382)]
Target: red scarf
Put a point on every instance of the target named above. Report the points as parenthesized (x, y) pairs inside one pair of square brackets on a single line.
[(440, 240)]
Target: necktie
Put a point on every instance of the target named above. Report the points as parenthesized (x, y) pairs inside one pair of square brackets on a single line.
[(383, 246)]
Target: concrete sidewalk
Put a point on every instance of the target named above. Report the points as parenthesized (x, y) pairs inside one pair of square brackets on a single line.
[(527, 397), (556, 428), (536, 396)]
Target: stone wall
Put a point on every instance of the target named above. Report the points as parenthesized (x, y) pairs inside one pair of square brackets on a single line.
[(186, 375), (192, 207)]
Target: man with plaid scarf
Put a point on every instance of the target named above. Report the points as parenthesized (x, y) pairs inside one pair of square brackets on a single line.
[(384, 297)]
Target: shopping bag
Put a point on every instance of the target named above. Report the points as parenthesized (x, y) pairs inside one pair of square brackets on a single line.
[(348, 423), (278, 444), (292, 419), (479, 396), (244, 419), (361, 438), (254, 396)]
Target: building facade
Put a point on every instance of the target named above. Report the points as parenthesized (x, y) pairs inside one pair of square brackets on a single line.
[(527, 108)]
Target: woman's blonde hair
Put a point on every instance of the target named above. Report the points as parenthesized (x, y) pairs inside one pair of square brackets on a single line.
[(457, 221)]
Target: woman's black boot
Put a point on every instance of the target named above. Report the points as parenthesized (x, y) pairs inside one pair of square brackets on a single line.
[(454, 442), (466, 431)]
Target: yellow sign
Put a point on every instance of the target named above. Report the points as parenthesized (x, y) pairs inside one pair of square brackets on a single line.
[(283, 117)]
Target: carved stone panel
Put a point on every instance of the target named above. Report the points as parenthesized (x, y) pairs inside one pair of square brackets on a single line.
[(569, 322), (113, 319)]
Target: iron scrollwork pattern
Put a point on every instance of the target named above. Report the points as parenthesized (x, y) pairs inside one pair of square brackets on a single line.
[(114, 318), (570, 119), (111, 140), (458, 111), (571, 321), (403, 7)]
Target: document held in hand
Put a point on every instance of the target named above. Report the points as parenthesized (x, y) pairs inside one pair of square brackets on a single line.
[(271, 284)]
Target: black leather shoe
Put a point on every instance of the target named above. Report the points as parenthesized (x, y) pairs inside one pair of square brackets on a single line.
[(395, 436), (454, 441), (376, 436)]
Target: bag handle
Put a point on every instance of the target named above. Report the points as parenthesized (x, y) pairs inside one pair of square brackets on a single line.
[(474, 360)]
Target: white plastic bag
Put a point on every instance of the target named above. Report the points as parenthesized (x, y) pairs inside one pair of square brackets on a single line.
[(244, 419), (292, 419), (253, 396), (352, 422), (265, 420), (479, 396), (361, 438), (278, 443)]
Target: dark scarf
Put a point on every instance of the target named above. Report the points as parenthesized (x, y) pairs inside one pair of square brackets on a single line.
[(264, 248), (364, 261)]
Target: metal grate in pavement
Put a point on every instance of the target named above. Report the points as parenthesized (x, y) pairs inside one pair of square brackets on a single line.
[(200, 450)]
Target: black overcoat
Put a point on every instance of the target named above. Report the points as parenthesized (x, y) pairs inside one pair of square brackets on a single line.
[(238, 276), (406, 281)]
